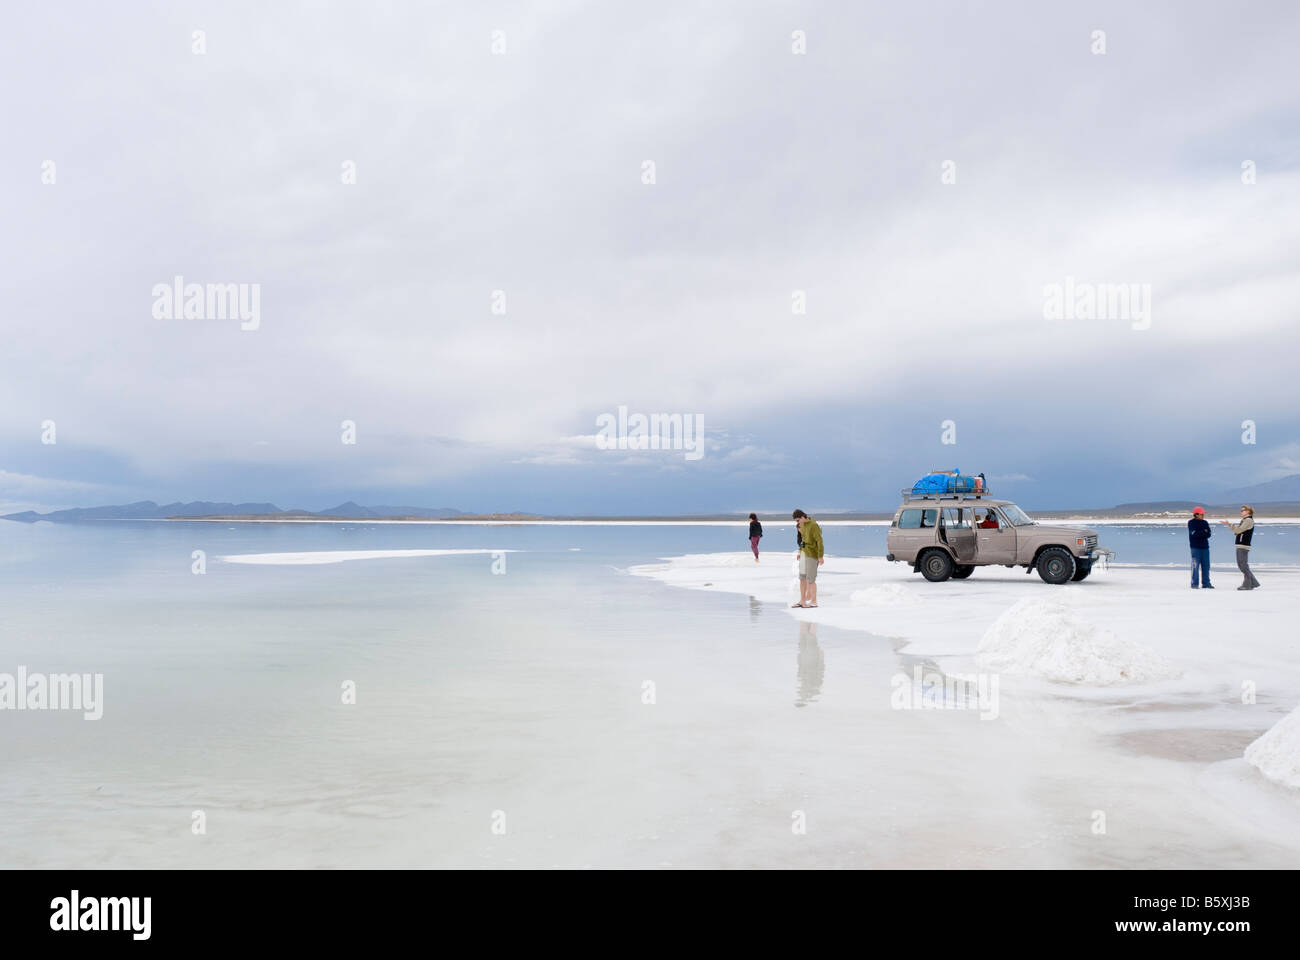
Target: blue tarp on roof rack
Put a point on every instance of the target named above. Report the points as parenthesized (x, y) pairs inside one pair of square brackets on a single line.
[(945, 482)]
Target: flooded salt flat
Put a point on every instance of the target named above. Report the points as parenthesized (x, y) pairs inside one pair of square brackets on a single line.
[(561, 712)]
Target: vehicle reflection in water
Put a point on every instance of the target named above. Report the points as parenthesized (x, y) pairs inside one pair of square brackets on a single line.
[(812, 665)]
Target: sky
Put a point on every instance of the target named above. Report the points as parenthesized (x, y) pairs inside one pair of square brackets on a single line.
[(841, 265)]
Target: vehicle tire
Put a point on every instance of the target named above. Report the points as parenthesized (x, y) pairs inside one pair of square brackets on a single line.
[(936, 565), (1081, 572), (1056, 565), (962, 570)]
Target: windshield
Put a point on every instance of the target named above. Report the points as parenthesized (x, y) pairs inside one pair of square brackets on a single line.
[(1015, 516)]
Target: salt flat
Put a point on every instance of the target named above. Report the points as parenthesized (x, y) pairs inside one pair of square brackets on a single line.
[(1128, 662), (1218, 638), (527, 693)]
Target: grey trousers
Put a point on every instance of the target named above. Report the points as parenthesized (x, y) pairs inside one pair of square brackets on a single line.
[(1243, 564)]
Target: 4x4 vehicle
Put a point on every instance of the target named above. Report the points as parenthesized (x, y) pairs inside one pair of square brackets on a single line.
[(950, 534)]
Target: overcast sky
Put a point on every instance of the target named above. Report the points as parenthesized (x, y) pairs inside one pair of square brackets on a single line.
[(523, 171)]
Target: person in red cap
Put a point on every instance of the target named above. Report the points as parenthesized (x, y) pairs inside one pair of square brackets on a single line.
[(1198, 533)]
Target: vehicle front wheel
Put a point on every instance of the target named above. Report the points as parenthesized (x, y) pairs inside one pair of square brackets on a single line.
[(962, 571), (1081, 572), (936, 566), (1056, 565)]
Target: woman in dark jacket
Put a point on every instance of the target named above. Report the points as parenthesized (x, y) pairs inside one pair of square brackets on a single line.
[(1244, 531), (755, 533)]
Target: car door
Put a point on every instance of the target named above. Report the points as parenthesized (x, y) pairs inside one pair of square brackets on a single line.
[(912, 531), (995, 545), (958, 532)]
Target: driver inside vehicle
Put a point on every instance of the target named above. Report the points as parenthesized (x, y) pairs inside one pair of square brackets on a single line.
[(988, 520)]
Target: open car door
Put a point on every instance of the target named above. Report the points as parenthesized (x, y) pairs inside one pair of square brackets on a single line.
[(957, 529)]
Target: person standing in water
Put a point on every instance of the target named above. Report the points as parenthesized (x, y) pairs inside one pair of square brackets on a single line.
[(813, 556), (1244, 532), (755, 534)]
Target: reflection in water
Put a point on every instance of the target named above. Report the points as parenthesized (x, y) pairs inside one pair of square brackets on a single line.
[(812, 665), (932, 688), (754, 609)]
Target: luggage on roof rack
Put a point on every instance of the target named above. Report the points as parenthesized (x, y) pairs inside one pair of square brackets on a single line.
[(935, 482), (948, 481)]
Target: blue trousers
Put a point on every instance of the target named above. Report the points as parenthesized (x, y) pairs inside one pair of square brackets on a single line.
[(1201, 560)]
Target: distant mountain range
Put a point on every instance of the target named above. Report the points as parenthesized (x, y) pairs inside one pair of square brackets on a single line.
[(1284, 490), (148, 510)]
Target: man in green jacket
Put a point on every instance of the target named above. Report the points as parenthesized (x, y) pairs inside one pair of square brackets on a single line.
[(812, 557)]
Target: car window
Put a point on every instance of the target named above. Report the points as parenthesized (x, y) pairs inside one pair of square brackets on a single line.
[(986, 518), (1015, 516), (956, 517), (917, 519)]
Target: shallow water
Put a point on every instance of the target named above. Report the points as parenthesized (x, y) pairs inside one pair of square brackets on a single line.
[(518, 699)]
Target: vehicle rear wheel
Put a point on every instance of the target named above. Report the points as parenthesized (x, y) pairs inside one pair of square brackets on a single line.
[(1056, 565), (1081, 571), (936, 566), (962, 571)]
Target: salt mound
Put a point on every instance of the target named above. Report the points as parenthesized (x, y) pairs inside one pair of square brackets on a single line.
[(1048, 639), (880, 595), (1277, 753)]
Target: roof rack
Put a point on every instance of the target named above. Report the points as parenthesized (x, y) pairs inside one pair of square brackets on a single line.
[(909, 494)]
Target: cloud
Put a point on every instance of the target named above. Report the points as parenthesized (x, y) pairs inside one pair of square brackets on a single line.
[(17, 483), (22, 491), (1249, 465), (522, 173)]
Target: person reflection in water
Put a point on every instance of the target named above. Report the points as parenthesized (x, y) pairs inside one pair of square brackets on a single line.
[(812, 665)]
